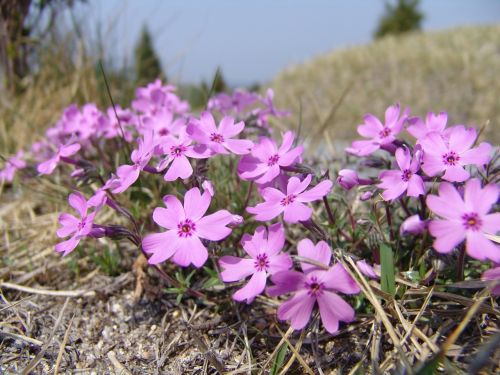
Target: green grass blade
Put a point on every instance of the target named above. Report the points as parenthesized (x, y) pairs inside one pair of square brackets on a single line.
[(387, 270)]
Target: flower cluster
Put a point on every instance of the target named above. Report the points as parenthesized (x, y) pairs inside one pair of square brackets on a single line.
[(130, 159), (159, 143), (446, 157)]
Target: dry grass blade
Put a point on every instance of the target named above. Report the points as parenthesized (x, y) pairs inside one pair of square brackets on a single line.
[(45, 292), (41, 353), (120, 369), (15, 303), (370, 295), (295, 350), (465, 321), (15, 336), (276, 349), (296, 353), (63, 345)]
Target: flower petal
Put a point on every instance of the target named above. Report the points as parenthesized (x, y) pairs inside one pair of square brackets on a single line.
[(479, 247), (266, 211), (166, 218), (286, 282), (78, 202), (67, 246), (238, 146), (236, 269), (332, 309), (448, 204), (253, 288), (291, 156), (320, 253), (337, 278), (275, 239), (213, 227), (479, 155), (480, 200), (162, 245), (180, 168), (196, 204), (296, 212), (280, 262), (403, 158), (297, 309), (317, 192), (448, 234)]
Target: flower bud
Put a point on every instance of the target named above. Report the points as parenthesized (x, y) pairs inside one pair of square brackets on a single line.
[(366, 269), (493, 275), (413, 225), (348, 179), (208, 186), (366, 196)]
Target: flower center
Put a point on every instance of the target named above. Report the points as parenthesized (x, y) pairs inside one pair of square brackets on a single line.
[(186, 228), (451, 158), (217, 138), (261, 262), (472, 221), (177, 151), (385, 132), (288, 200), (406, 175), (273, 160), (81, 224), (163, 132), (314, 287)]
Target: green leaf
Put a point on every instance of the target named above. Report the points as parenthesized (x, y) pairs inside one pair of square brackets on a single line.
[(280, 358), (387, 270)]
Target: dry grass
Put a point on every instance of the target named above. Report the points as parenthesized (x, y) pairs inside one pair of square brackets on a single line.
[(455, 71)]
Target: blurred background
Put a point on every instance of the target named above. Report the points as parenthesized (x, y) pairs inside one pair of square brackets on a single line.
[(329, 61)]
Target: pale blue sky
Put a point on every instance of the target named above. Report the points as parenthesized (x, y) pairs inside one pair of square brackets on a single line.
[(254, 40)]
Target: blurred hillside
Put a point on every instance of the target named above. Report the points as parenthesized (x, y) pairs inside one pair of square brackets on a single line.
[(456, 71)]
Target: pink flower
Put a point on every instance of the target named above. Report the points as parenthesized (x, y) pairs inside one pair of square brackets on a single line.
[(434, 123), (266, 259), (266, 159), (48, 166), (263, 114), (128, 174), (219, 139), (291, 203), (238, 102), (163, 124), (493, 274), (413, 225), (70, 225), (186, 225), (12, 164), (128, 121), (155, 96), (380, 134), (313, 285), (451, 156), (396, 182), (178, 149), (466, 218)]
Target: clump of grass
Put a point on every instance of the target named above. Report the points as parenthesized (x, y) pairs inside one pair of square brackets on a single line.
[(454, 70)]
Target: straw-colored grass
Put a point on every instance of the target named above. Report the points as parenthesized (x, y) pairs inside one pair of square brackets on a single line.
[(455, 71)]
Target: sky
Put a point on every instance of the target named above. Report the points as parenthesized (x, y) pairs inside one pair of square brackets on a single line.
[(252, 41)]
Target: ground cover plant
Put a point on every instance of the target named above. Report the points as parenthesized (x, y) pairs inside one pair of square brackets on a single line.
[(250, 257)]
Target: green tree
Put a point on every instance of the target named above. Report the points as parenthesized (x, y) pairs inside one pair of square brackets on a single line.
[(147, 64), (401, 17)]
